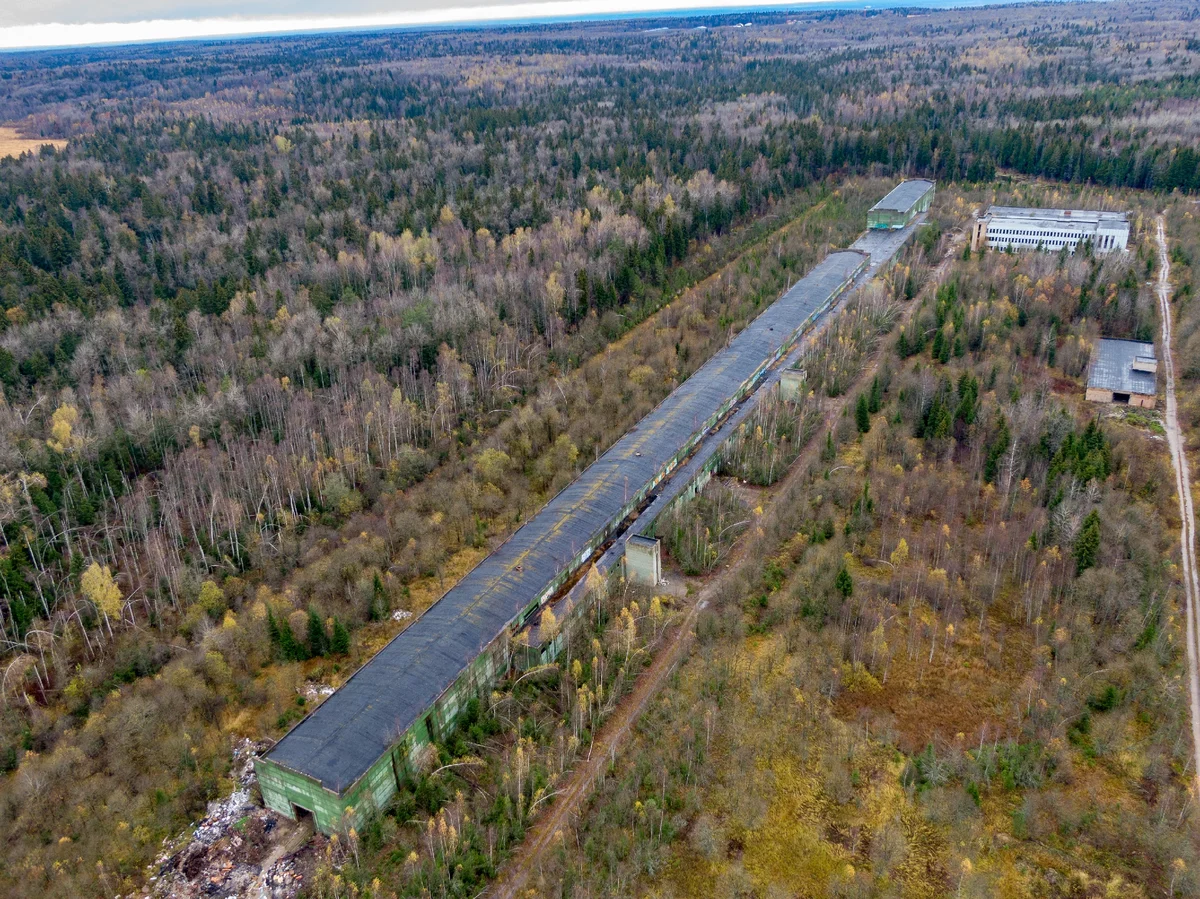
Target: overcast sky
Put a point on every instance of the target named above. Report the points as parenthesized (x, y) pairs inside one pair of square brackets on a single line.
[(45, 23), (15, 12)]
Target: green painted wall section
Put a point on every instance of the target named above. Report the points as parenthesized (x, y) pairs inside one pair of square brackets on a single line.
[(888, 218), (284, 790)]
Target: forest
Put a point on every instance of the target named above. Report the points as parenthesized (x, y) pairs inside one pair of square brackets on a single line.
[(950, 664), (296, 329)]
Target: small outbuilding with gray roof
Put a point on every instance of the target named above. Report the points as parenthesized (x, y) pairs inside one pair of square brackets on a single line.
[(1123, 371)]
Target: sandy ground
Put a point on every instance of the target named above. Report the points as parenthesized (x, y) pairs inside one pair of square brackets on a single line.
[(1183, 488), (13, 144)]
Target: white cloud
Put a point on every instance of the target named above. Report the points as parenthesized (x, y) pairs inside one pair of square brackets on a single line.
[(68, 31)]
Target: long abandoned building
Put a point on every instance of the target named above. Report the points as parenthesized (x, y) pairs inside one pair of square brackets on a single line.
[(358, 748)]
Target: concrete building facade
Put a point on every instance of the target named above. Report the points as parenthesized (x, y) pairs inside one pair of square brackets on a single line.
[(643, 560), (793, 385), (1051, 230)]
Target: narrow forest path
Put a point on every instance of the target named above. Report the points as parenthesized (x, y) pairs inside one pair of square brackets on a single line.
[(513, 882), (1183, 489)]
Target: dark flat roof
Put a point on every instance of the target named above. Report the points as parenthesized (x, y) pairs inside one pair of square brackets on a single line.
[(903, 196), (1112, 367), (354, 727)]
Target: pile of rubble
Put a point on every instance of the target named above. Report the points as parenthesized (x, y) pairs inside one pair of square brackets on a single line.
[(316, 693), (239, 849)]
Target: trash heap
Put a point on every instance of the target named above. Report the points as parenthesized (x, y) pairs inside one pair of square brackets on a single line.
[(239, 849)]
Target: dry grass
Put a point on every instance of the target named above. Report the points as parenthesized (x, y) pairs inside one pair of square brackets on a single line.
[(969, 686), (13, 144)]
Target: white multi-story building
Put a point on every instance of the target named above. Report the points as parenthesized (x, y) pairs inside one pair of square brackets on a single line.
[(1002, 227)]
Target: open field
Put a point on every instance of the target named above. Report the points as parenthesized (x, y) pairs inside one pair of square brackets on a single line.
[(12, 143)]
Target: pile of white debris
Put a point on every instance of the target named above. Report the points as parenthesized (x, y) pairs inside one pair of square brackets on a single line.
[(239, 850)]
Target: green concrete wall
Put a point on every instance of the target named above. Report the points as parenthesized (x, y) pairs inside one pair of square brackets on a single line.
[(793, 385), (888, 218), (282, 789)]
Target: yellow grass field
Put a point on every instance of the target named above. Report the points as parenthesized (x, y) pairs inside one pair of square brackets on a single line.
[(13, 144)]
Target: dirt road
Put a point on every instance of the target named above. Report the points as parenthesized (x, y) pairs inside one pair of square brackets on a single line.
[(579, 782), (1183, 488), (572, 800)]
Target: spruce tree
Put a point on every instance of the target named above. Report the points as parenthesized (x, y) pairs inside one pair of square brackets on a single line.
[(380, 605), (1087, 544), (339, 643), (996, 449), (943, 354), (875, 401), (829, 451), (862, 414), (318, 640), (289, 648)]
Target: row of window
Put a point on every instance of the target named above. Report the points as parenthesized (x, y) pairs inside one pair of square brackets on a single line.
[(1046, 235), (1031, 238)]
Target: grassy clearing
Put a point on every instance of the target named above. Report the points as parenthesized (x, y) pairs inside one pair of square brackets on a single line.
[(13, 143)]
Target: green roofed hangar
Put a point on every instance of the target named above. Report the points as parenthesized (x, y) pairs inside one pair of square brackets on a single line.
[(357, 749), (899, 209)]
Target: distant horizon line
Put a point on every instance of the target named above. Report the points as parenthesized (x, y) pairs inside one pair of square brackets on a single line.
[(61, 36)]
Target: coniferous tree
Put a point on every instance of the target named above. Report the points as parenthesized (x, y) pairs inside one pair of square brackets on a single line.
[(862, 415), (284, 641), (937, 422), (380, 605), (829, 451), (339, 642), (272, 628), (939, 346), (996, 449), (318, 640), (1087, 544)]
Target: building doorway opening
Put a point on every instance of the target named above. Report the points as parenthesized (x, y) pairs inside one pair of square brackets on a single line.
[(1121, 398), (429, 728), (302, 815)]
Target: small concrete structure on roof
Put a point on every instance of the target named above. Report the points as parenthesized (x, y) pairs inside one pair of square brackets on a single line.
[(643, 560), (1051, 230), (1123, 371), (793, 384), (905, 202)]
